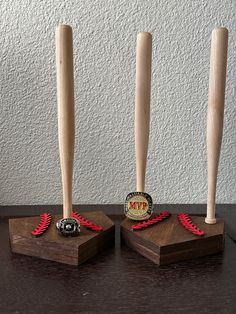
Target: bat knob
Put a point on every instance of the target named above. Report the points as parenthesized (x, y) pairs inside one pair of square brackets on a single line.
[(210, 221), (68, 227)]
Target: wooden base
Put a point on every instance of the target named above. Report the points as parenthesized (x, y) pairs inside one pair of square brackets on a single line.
[(168, 241), (54, 247)]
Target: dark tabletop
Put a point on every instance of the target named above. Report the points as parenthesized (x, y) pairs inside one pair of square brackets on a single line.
[(116, 281)]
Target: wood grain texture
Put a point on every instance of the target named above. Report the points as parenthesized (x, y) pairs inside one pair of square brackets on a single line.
[(117, 280), (66, 119), (167, 242), (54, 247), (142, 105), (215, 117)]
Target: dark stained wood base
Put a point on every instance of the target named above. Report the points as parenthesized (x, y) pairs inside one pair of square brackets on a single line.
[(54, 247), (168, 242)]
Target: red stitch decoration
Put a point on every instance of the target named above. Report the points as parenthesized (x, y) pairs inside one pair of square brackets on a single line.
[(163, 215), (86, 223), (45, 221), (187, 223)]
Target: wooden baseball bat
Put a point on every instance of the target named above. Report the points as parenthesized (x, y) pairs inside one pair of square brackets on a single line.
[(142, 105), (139, 205), (66, 121), (217, 78)]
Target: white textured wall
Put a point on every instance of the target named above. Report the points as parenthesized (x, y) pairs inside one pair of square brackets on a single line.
[(104, 47)]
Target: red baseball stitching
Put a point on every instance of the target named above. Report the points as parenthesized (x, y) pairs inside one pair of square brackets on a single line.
[(163, 215), (86, 223), (45, 221), (187, 223)]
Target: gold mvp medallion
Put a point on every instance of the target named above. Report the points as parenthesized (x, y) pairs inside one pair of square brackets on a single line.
[(138, 206)]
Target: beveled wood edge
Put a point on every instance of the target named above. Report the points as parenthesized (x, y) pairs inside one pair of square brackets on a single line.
[(58, 249), (162, 255)]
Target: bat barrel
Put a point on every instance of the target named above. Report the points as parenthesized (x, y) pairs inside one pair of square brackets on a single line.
[(142, 105)]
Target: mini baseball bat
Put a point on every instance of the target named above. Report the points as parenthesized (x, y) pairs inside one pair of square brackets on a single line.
[(66, 121), (218, 64), (138, 205)]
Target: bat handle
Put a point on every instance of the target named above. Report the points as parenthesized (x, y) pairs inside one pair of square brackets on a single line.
[(215, 117), (142, 105), (66, 121)]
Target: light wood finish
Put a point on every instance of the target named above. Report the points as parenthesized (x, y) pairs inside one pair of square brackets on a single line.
[(66, 123), (54, 247), (169, 242), (142, 105), (218, 63)]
